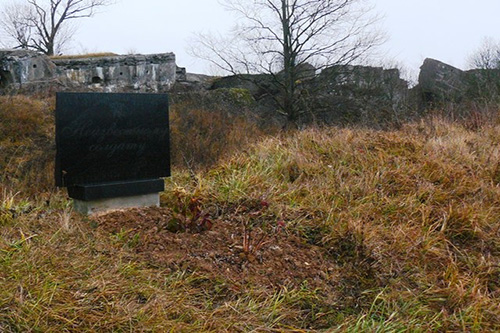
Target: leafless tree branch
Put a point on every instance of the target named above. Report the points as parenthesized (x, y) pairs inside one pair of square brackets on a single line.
[(276, 37), (45, 25)]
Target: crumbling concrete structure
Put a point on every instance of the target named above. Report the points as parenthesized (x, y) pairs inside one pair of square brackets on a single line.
[(354, 93), (20, 67), (338, 92), (440, 83), (152, 72), (346, 93), (145, 73)]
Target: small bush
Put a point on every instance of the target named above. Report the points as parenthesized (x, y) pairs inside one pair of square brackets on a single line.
[(236, 96)]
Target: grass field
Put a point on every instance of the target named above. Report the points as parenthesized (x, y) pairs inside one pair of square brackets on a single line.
[(333, 229)]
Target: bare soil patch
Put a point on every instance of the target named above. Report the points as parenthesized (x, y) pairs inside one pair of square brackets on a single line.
[(283, 259)]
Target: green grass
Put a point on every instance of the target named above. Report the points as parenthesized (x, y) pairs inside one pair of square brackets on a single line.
[(410, 218), (421, 204)]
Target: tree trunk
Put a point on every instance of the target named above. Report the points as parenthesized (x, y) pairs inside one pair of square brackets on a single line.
[(288, 65), (50, 49)]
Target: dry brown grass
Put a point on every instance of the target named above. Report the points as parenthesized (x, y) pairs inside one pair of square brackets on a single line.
[(409, 218), (412, 214), (203, 135), (27, 148), (84, 56)]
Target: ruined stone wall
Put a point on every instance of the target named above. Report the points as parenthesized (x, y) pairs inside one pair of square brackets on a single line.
[(440, 83), (138, 72), (336, 94), (20, 67), (358, 80), (350, 92), (360, 94), (144, 73)]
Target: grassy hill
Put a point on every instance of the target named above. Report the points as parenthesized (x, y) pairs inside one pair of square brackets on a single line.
[(346, 229)]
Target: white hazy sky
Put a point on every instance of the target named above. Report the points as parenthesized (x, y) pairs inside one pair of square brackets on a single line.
[(447, 30)]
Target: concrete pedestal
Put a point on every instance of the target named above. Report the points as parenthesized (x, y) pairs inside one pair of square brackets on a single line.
[(107, 205), (91, 199)]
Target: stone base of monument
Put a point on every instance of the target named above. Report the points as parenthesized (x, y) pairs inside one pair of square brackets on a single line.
[(108, 205), (91, 199)]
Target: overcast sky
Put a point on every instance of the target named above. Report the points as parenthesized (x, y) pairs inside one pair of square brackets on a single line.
[(447, 30)]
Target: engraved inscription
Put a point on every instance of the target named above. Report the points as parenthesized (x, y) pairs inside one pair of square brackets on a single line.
[(111, 137)]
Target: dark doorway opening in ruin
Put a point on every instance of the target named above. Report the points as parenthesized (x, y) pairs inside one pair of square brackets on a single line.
[(5, 79), (96, 79)]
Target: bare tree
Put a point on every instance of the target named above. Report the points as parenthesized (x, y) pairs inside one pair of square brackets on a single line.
[(484, 78), (487, 56), (15, 23), (280, 37), (43, 25)]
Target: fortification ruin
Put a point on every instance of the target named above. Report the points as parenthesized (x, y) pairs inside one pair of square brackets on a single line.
[(442, 83), (340, 91), (20, 67), (145, 73)]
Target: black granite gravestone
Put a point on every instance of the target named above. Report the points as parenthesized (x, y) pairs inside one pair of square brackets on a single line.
[(111, 145)]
